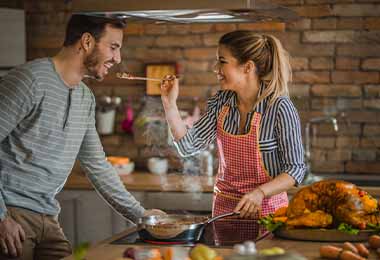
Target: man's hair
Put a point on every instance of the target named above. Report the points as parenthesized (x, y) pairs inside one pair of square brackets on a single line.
[(94, 25)]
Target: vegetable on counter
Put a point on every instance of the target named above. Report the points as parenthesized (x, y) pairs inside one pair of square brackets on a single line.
[(349, 246), (374, 241), (199, 252), (270, 222), (272, 251), (349, 251), (348, 229), (81, 250), (330, 252), (333, 252), (203, 252), (362, 249)]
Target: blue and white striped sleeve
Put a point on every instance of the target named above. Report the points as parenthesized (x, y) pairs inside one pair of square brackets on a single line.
[(104, 177), (203, 131), (291, 151)]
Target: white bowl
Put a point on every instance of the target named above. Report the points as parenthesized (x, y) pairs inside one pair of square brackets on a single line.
[(158, 165), (125, 168)]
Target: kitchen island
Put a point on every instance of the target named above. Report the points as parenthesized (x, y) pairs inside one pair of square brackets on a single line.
[(85, 217), (108, 250)]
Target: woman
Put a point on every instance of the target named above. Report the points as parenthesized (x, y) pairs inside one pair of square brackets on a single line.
[(255, 124)]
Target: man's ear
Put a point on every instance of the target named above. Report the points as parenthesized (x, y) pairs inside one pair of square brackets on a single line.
[(249, 67), (87, 42)]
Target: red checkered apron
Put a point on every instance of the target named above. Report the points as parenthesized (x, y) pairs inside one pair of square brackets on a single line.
[(241, 170)]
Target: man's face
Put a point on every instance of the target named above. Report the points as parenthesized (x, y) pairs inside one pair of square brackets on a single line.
[(105, 53)]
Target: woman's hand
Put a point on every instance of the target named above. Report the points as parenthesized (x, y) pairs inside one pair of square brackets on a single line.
[(250, 205), (169, 90)]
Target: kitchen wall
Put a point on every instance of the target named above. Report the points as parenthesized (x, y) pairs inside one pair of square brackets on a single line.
[(335, 49)]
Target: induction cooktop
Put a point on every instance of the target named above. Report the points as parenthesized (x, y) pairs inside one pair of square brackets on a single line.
[(220, 233)]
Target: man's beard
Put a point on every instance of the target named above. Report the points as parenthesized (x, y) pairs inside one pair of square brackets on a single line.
[(91, 62)]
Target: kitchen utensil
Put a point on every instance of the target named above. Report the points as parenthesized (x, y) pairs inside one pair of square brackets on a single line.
[(325, 235), (264, 235), (124, 75), (175, 228)]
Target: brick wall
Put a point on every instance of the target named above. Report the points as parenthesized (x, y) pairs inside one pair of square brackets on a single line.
[(335, 49)]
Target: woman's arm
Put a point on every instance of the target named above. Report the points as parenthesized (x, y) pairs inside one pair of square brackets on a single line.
[(289, 138), (203, 132), (169, 95), (280, 183), (250, 203)]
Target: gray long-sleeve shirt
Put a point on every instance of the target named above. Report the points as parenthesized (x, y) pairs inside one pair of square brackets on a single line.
[(44, 127)]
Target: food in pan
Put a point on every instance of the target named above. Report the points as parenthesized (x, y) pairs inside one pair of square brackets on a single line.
[(329, 203)]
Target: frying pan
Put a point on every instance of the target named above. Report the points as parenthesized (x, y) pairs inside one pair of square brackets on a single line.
[(175, 228)]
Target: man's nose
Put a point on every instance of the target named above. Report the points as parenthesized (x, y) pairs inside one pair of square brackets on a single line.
[(117, 57)]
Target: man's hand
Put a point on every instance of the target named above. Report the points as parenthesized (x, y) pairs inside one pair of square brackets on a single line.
[(11, 237), (151, 212)]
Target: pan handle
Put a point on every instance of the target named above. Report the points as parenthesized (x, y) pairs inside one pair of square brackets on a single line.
[(203, 226), (221, 216)]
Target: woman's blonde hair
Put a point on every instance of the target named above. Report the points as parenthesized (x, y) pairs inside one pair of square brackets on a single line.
[(271, 60)]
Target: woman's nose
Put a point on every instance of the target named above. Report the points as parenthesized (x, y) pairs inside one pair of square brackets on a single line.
[(216, 67)]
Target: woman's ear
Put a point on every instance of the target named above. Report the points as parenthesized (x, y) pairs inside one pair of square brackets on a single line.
[(250, 67)]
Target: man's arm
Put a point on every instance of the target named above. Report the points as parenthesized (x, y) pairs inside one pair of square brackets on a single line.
[(16, 102), (104, 177)]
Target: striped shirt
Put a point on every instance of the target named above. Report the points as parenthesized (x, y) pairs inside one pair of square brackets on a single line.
[(44, 128), (280, 139)]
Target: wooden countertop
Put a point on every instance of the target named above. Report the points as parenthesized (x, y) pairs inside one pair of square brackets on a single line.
[(106, 251), (145, 181)]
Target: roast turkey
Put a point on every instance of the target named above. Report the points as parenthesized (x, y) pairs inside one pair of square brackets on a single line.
[(331, 202)]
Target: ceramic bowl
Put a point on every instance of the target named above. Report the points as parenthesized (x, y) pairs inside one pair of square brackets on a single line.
[(158, 165), (125, 169)]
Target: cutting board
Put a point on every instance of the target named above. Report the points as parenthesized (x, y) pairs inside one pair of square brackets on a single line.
[(322, 235)]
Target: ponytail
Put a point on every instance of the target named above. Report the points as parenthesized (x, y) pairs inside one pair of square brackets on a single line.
[(276, 80)]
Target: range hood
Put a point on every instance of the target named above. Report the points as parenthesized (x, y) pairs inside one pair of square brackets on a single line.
[(187, 11)]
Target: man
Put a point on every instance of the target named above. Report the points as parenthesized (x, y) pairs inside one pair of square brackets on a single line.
[(47, 122)]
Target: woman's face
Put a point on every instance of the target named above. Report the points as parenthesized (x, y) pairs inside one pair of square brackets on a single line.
[(229, 72)]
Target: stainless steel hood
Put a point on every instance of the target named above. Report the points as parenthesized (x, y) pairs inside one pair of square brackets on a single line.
[(187, 11)]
